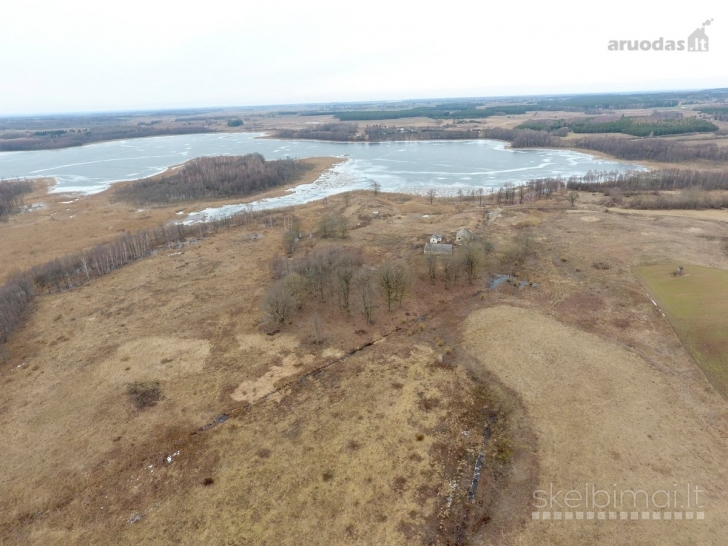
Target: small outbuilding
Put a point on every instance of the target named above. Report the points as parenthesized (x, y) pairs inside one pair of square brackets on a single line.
[(438, 248), (435, 238), (463, 236)]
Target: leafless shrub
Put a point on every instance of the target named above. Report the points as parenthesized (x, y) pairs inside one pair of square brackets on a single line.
[(334, 225), (280, 302)]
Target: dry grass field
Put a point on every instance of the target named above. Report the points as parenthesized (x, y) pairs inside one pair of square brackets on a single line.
[(157, 404)]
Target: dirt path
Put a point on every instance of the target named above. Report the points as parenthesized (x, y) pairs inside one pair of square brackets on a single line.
[(607, 418)]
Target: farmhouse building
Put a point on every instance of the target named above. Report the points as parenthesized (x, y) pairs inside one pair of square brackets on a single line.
[(463, 236), (438, 248)]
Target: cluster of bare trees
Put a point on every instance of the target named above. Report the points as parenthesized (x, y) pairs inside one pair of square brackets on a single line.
[(468, 260), (325, 273), (647, 181), (11, 195), (76, 269), (336, 275), (206, 177), (691, 198), (16, 296)]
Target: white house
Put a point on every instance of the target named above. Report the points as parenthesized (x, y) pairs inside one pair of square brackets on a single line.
[(435, 238)]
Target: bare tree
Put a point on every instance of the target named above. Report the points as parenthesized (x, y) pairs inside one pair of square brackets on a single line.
[(450, 271), (431, 194), (471, 260), (290, 239), (344, 273), (393, 283), (280, 302), (573, 196), (376, 187), (431, 261), (317, 273), (365, 287), (402, 282)]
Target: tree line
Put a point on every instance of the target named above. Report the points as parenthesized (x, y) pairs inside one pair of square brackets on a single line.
[(635, 126), (479, 110), (73, 270), (53, 139), (214, 177), (337, 275), (325, 131), (349, 132), (11, 196), (718, 112), (648, 181), (643, 188), (654, 149)]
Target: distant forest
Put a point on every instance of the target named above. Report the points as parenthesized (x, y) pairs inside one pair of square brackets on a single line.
[(11, 194), (214, 177), (719, 113), (478, 110), (349, 132), (324, 131), (60, 138), (635, 126), (654, 149)]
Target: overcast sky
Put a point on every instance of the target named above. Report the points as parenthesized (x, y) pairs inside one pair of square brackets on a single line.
[(78, 55)]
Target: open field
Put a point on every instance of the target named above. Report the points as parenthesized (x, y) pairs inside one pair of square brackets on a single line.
[(695, 303), (259, 434)]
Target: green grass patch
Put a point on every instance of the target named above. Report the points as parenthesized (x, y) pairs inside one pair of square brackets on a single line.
[(696, 304)]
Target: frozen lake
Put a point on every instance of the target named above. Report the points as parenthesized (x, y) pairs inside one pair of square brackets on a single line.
[(398, 166)]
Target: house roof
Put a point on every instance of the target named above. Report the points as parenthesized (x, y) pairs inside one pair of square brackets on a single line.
[(438, 248)]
